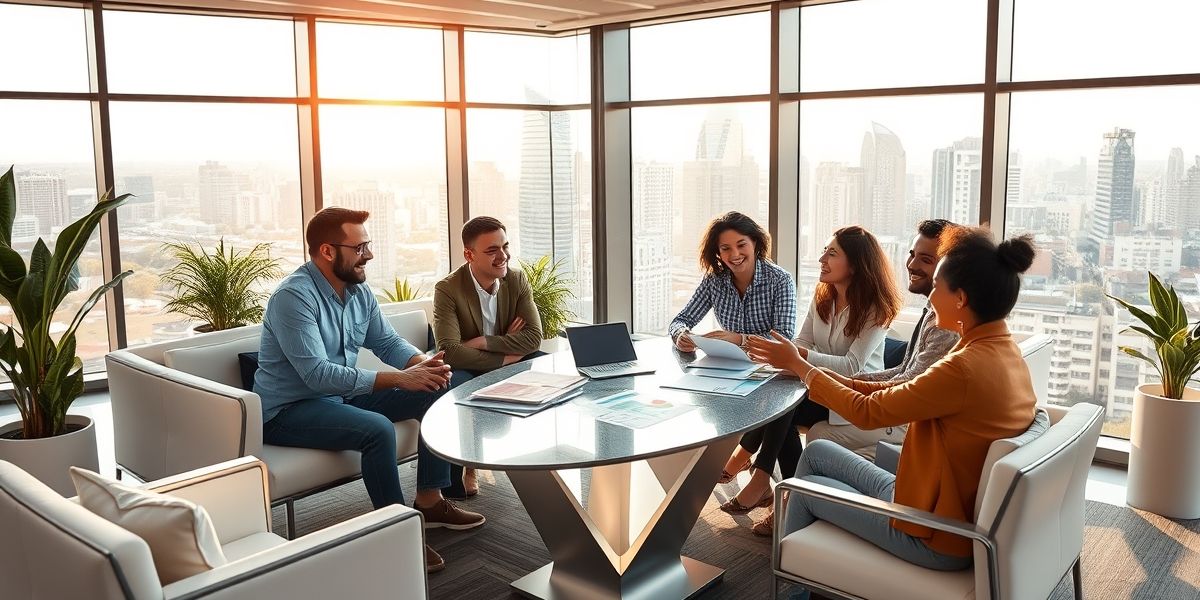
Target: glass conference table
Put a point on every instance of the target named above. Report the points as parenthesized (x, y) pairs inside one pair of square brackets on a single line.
[(614, 497)]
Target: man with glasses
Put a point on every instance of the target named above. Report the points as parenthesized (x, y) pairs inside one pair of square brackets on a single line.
[(313, 396), (483, 314)]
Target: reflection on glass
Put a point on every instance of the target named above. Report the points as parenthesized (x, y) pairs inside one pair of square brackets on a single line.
[(885, 164), (532, 170), (156, 53), (526, 69), (195, 186), (49, 144), (690, 164), (1109, 181), (1063, 39), (720, 56), (883, 43), (391, 162), (349, 58), (50, 44)]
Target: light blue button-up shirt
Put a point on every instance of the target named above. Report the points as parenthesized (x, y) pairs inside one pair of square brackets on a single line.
[(311, 339)]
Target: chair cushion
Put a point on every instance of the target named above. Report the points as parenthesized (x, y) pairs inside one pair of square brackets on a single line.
[(1001, 448), (251, 544), (893, 352), (412, 326), (217, 362), (180, 533), (296, 470), (248, 366), (825, 553)]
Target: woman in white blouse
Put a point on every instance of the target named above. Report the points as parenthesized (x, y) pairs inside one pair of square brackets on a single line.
[(855, 302)]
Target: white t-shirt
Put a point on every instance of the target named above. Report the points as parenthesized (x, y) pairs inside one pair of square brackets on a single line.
[(487, 304)]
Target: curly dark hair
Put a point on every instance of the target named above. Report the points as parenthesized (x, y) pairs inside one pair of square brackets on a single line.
[(710, 259)]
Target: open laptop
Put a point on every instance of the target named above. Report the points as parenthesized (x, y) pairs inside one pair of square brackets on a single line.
[(604, 351)]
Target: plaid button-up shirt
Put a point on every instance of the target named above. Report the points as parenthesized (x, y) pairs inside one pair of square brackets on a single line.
[(769, 303)]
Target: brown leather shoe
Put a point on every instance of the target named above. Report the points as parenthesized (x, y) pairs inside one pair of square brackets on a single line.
[(447, 514), (433, 561), (766, 526)]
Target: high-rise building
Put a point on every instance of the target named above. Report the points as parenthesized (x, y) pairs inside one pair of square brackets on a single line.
[(219, 186), (653, 197), (1113, 210), (140, 207), (381, 225), (1189, 198), (546, 204), (956, 176), (723, 177), (43, 197), (883, 163), (1013, 183), (838, 192)]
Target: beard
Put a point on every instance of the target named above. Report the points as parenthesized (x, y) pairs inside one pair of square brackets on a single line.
[(344, 270)]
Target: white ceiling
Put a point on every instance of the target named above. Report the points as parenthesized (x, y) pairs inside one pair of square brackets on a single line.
[(532, 15)]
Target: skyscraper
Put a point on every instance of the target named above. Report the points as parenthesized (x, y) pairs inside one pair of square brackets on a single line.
[(1189, 198), (653, 195), (1113, 210), (883, 163), (838, 192), (723, 177), (219, 188), (955, 186), (546, 204), (44, 197)]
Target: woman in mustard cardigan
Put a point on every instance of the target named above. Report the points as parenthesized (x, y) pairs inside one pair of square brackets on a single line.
[(980, 392)]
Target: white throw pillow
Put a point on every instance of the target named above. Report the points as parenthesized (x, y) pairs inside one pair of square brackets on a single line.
[(180, 533)]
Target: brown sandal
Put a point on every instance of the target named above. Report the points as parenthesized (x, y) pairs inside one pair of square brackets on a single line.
[(726, 476), (765, 527), (734, 507)]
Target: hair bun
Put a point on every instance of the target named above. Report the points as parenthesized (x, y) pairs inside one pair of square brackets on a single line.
[(1017, 253)]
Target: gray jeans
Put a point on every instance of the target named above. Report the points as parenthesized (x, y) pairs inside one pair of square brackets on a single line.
[(829, 464)]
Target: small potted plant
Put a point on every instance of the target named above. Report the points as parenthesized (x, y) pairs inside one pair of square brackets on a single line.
[(1164, 456), (45, 372), (551, 290), (219, 289), (402, 291)]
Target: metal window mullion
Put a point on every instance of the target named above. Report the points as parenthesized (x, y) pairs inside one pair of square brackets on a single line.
[(993, 166), (458, 206), (110, 244), (307, 122), (613, 223)]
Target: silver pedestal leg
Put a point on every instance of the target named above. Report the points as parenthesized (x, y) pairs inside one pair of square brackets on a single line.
[(623, 545)]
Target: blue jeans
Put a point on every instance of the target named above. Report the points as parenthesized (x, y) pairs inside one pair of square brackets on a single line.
[(364, 424), (829, 464)]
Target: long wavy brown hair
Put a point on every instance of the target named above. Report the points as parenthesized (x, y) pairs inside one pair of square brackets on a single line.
[(710, 259), (872, 293)]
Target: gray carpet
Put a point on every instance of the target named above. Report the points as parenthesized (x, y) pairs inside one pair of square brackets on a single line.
[(1127, 553)]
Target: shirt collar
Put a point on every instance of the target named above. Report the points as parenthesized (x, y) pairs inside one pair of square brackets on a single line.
[(479, 288), (323, 284), (757, 276)]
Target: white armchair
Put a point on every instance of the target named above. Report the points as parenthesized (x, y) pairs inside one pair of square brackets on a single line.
[(179, 405), (55, 548), (1028, 530)]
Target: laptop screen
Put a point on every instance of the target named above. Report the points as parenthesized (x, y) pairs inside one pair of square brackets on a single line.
[(600, 344)]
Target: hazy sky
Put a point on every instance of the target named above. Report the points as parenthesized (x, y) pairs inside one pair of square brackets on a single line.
[(866, 43)]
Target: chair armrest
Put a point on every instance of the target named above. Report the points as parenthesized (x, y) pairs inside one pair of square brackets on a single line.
[(889, 509), (166, 421), (234, 493), (376, 555), (887, 456)]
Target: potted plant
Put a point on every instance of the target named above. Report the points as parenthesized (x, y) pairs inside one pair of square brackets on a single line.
[(1164, 455), (402, 291), (551, 290), (46, 374), (219, 289)]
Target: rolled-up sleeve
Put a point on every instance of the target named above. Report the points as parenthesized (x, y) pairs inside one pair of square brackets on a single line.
[(784, 300), (293, 319)]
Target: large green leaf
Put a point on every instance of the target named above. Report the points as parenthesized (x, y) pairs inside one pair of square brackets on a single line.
[(1155, 323), (71, 243), (91, 301), (8, 206), (12, 273)]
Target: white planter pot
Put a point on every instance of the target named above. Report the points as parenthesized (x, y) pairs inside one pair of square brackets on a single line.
[(1164, 458), (48, 459), (553, 345)]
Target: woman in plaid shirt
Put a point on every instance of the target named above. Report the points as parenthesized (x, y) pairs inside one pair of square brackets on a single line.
[(749, 294)]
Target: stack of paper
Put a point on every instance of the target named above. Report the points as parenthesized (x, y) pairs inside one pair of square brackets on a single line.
[(716, 385), (722, 360), (531, 387)]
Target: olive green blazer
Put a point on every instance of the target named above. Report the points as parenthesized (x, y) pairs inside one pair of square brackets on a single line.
[(458, 318)]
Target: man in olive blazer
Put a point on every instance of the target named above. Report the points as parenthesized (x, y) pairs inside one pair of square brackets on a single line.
[(483, 312)]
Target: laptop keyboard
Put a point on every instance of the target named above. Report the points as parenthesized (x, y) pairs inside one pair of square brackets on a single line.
[(611, 367)]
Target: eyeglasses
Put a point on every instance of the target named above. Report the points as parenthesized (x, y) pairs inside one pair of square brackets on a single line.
[(358, 249)]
